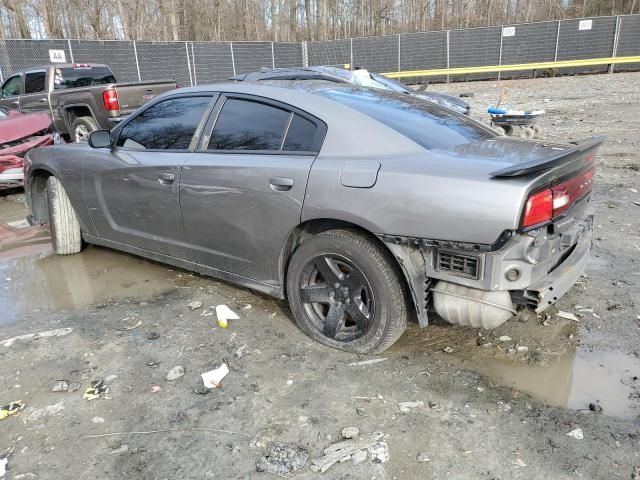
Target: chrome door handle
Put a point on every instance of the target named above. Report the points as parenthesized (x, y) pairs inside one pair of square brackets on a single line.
[(166, 178), (280, 184), (43, 100)]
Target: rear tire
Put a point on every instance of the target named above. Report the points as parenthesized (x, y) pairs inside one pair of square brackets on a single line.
[(346, 292), (63, 221), (81, 128)]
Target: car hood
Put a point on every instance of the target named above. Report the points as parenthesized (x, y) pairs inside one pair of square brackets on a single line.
[(19, 126)]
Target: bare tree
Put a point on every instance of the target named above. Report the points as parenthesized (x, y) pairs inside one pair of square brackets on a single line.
[(170, 20)]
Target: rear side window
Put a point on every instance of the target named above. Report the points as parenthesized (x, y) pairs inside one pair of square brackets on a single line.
[(248, 125), (300, 136), (427, 124), (168, 125), (82, 76), (34, 82)]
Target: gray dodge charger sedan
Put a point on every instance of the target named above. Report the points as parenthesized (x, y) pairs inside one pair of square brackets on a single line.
[(361, 207)]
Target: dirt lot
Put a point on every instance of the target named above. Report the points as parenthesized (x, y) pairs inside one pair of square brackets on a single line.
[(487, 410)]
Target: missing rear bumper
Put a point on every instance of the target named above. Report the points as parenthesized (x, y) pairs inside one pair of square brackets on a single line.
[(544, 293)]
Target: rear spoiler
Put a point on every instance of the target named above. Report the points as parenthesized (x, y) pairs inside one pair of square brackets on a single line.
[(581, 148)]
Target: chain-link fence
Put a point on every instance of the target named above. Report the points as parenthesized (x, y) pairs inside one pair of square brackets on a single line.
[(193, 63)]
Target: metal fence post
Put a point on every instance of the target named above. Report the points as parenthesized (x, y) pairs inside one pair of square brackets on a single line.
[(135, 54), (233, 60), (195, 73), (351, 53), (70, 51), (305, 54), (448, 44), (399, 36), (616, 36), (500, 55), (273, 57), (186, 49), (555, 55)]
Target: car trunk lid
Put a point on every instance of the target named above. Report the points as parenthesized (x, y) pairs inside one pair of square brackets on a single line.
[(544, 157)]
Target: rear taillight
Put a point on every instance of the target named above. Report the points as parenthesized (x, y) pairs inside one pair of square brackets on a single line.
[(565, 194), (539, 208), (548, 204), (110, 100)]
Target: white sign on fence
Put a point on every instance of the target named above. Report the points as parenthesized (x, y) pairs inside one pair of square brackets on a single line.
[(585, 24), (57, 56), (508, 31)]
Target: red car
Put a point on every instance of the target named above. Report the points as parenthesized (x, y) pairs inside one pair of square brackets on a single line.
[(19, 133)]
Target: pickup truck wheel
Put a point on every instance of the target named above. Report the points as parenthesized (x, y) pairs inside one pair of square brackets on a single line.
[(63, 222), (81, 128), (346, 292)]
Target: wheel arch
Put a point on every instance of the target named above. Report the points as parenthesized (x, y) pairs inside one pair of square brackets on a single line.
[(315, 226), (36, 189), (77, 110)]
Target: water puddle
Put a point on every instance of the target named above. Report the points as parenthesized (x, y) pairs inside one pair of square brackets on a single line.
[(32, 277), (609, 378), (52, 282)]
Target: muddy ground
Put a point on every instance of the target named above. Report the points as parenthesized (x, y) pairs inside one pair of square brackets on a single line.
[(484, 411)]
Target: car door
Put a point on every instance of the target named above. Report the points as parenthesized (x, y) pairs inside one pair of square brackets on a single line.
[(34, 98), (10, 94), (241, 193), (132, 189)]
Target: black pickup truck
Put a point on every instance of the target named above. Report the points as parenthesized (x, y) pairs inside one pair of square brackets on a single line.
[(81, 97)]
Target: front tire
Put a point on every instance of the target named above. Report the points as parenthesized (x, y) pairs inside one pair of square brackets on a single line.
[(346, 292), (81, 128), (63, 221)]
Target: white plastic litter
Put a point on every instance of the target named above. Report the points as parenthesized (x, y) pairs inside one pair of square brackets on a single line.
[(367, 362), (567, 316), (576, 433), (58, 332), (3, 467), (224, 312), (213, 379)]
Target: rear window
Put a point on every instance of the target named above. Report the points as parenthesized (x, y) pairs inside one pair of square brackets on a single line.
[(427, 124), (81, 76)]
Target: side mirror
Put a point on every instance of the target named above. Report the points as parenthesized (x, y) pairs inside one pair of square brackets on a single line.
[(100, 139)]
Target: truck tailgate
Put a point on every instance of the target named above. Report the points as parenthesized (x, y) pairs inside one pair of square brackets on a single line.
[(133, 95)]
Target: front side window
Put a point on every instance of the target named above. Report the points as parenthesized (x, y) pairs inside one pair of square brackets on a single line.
[(168, 125), (11, 87), (249, 125), (34, 82)]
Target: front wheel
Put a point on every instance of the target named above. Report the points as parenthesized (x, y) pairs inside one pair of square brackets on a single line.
[(346, 292), (63, 221), (81, 128)]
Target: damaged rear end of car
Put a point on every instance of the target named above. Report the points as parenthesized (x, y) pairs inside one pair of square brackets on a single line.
[(530, 267)]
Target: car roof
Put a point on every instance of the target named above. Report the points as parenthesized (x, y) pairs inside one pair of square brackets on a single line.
[(316, 72)]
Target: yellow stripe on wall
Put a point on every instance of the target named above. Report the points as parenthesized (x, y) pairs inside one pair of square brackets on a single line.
[(514, 67)]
